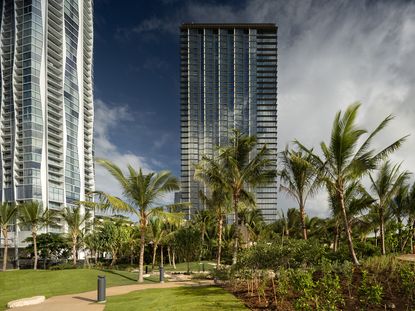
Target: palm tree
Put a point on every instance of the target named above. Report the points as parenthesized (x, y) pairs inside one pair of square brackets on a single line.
[(32, 213), (399, 209), (77, 222), (386, 185), (142, 192), (7, 213), (410, 210), (299, 180), (344, 162), (157, 229), (252, 221), (292, 220), (219, 203), (202, 219), (237, 168), (356, 201)]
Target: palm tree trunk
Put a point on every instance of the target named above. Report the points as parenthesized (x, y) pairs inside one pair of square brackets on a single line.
[(220, 227), (412, 237), (142, 246), (174, 258), (161, 256), (409, 236), (6, 245), (236, 234), (34, 247), (302, 216), (74, 238), (347, 227), (87, 259), (154, 256), (169, 255), (203, 242), (336, 237), (114, 257), (400, 232), (382, 230)]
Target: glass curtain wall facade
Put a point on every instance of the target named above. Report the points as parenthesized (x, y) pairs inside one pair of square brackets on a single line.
[(46, 101), (228, 80)]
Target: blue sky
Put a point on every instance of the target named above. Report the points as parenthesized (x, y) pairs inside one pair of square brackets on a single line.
[(331, 53), (139, 70)]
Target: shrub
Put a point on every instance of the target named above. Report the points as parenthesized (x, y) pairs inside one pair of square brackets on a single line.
[(407, 276), (370, 294), (303, 284), (291, 254), (283, 283), (222, 273), (63, 266), (347, 270), (329, 292)]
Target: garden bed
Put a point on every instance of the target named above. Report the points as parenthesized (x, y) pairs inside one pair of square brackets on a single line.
[(393, 296)]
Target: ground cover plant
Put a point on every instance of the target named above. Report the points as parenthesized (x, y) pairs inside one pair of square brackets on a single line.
[(380, 283)]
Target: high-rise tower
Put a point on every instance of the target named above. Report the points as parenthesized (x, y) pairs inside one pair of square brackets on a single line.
[(46, 113), (228, 80)]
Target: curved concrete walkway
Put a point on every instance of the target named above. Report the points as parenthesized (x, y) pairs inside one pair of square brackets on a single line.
[(87, 301)]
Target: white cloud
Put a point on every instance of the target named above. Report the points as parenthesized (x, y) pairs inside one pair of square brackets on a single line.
[(106, 120), (332, 53)]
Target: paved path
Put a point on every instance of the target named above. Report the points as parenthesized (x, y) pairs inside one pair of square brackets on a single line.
[(406, 257), (87, 301)]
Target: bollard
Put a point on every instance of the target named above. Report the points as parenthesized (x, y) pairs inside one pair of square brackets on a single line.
[(146, 269), (101, 289), (161, 275), (203, 267)]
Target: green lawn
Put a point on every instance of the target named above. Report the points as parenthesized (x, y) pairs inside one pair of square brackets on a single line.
[(179, 298), (27, 283)]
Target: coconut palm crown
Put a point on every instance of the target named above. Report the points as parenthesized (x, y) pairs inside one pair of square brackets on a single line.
[(344, 159), (34, 215), (77, 222), (143, 193), (385, 186), (237, 168), (299, 180)]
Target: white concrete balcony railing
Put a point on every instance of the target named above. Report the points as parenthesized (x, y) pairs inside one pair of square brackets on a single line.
[(55, 8), (57, 48), (54, 83), (56, 114), (54, 23), (54, 148), (55, 130), (54, 159), (55, 55)]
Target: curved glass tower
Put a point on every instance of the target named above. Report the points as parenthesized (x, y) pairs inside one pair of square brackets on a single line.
[(46, 102), (228, 80)]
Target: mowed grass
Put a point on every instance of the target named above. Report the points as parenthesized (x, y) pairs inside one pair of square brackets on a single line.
[(178, 298), (27, 283)]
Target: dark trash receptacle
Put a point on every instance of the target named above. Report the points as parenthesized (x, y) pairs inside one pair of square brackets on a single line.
[(102, 284)]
